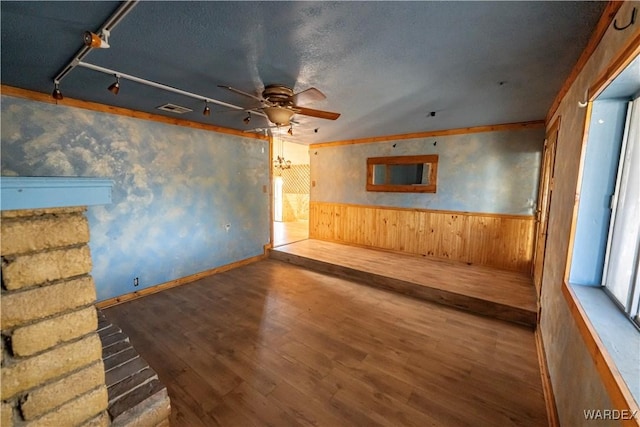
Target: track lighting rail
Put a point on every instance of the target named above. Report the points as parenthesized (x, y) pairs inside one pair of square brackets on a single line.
[(106, 28), (162, 86), (103, 33)]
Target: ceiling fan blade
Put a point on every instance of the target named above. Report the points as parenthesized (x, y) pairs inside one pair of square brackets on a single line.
[(240, 92), (309, 95), (317, 113)]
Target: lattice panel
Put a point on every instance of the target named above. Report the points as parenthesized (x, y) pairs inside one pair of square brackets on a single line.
[(296, 179)]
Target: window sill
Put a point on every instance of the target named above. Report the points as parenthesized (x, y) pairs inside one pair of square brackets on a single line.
[(612, 341)]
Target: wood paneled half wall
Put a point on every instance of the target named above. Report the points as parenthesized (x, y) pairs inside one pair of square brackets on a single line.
[(496, 240)]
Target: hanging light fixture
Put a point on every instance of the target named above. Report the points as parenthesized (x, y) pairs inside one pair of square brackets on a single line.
[(280, 116), (56, 93), (115, 86), (248, 118), (280, 162), (207, 110), (290, 131)]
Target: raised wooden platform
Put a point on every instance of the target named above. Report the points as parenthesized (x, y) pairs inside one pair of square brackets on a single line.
[(500, 294)]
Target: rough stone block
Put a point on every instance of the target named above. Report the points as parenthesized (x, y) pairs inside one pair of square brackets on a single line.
[(40, 336), (120, 389), (42, 267), (33, 371), (24, 307), (6, 415), (152, 411), (23, 213), (121, 372), (77, 411), (45, 232), (49, 396)]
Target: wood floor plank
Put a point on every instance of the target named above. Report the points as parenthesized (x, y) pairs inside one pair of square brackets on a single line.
[(501, 294), (275, 344)]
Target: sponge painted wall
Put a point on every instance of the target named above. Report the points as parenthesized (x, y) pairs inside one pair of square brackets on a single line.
[(490, 172), (176, 189), (577, 385)]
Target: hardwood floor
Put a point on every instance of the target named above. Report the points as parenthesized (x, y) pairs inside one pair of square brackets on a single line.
[(503, 294), (289, 232), (275, 344)]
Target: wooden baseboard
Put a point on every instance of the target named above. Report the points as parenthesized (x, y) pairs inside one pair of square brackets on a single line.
[(181, 281), (547, 387)]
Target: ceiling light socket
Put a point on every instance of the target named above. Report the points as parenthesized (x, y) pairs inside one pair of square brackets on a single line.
[(56, 94)]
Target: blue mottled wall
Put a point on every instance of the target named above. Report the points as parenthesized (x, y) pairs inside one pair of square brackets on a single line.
[(175, 189), (491, 172)]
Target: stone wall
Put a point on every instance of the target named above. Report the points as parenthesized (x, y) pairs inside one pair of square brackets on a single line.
[(51, 366)]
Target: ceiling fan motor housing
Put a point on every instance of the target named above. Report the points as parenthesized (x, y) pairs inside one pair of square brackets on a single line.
[(278, 94)]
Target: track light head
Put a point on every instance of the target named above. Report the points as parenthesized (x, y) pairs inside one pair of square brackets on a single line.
[(95, 41), (115, 87), (56, 94), (247, 119), (207, 110)]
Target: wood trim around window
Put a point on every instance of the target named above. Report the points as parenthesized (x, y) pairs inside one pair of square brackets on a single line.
[(431, 159), (621, 397)]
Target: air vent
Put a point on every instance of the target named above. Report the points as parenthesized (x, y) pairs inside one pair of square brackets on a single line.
[(173, 108)]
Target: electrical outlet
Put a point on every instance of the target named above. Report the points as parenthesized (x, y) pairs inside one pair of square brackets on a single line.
[(136, 282)]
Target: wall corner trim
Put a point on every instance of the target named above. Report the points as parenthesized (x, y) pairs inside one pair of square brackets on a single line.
[(53, 192)]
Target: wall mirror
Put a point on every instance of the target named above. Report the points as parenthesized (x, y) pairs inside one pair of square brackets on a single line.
[(406, 174)]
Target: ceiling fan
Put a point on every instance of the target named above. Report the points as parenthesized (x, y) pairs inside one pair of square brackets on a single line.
[(279, 103)]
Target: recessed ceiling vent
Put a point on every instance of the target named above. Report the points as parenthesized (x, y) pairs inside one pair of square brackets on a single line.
[(173, 108)]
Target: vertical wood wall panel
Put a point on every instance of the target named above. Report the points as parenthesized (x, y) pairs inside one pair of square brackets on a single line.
[(502, 241)]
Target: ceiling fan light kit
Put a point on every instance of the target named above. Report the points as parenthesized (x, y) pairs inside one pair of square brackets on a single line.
[(279, 103), (279, 116)]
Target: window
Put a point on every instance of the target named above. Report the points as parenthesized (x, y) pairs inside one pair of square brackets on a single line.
[(620, 276), (602, 287)]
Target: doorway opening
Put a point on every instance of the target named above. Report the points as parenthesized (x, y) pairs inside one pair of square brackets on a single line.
[(292, 182)]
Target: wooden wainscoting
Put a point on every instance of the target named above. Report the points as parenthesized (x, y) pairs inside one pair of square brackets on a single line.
[(496, 240)]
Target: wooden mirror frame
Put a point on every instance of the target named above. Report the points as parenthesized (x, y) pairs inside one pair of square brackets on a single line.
[(432, 159)]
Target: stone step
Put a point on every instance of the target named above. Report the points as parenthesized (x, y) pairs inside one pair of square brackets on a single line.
[(136, 395)]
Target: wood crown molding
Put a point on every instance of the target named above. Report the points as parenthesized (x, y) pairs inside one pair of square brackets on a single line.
[(436, 133), (101, 108), (605, 20)]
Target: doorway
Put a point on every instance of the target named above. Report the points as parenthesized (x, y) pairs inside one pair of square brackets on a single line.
[(292, 182)]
